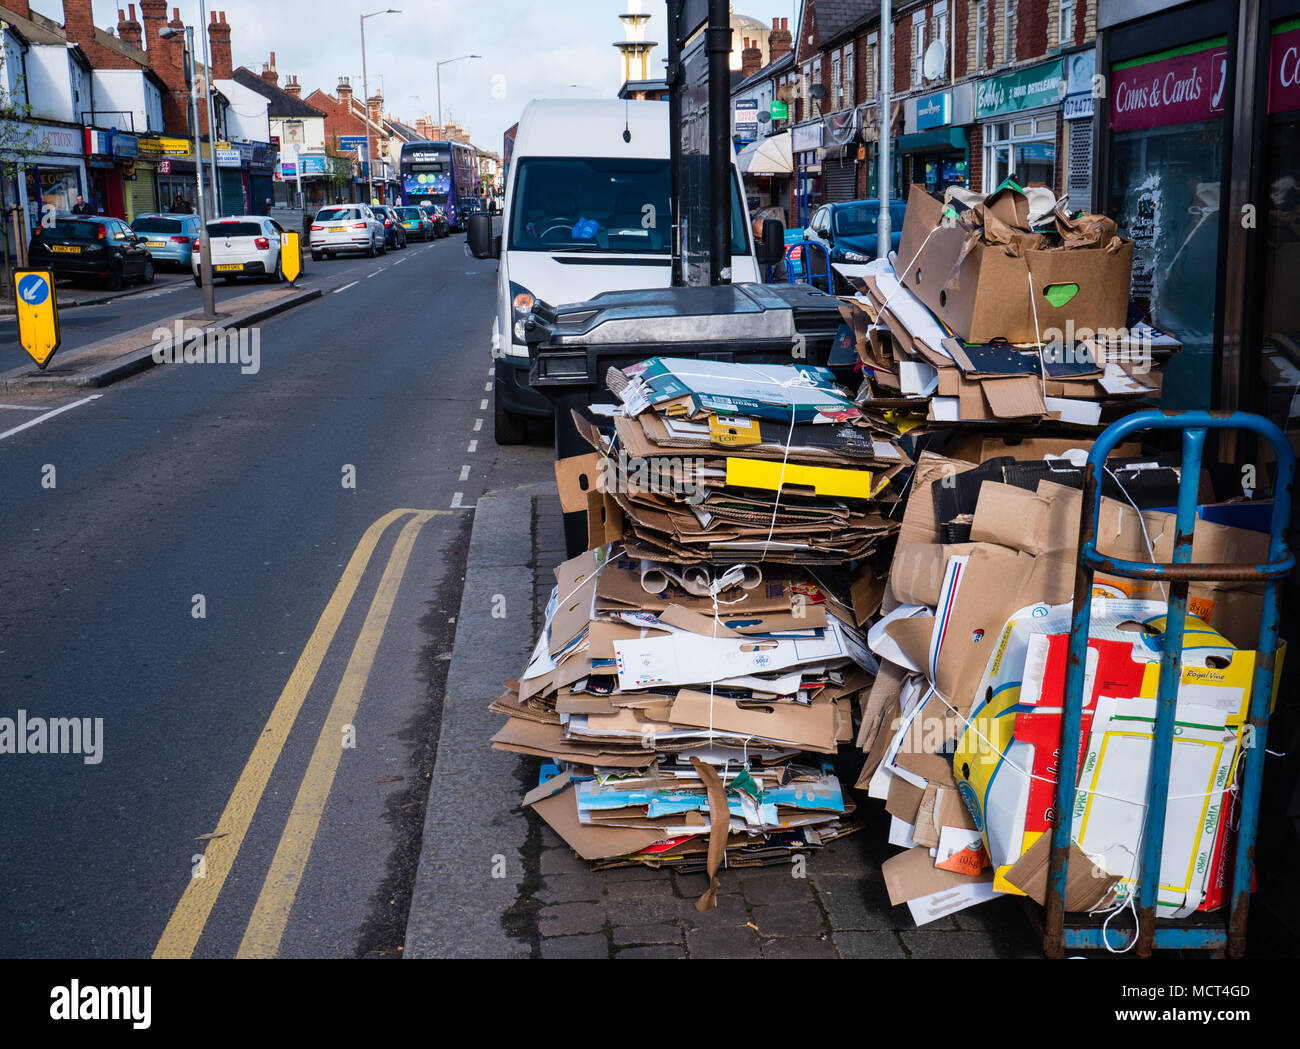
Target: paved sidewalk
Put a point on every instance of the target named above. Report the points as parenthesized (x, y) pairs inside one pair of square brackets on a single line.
[(548, 903)]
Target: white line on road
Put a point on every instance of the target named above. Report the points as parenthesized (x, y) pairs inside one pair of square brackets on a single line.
[(399, 262), (43, 408), (464, 473), (473, 447), (487, 387), (457, 499), (49, 415), (346, 287), (375, 274), (482, 405), (478, 425)]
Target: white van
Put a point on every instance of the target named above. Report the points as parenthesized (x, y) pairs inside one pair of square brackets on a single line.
[(587, 210)]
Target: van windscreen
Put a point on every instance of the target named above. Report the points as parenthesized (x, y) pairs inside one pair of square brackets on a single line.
[(591, 204)]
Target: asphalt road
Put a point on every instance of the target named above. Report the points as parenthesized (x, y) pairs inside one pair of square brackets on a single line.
[(174, 293), (194, 480)]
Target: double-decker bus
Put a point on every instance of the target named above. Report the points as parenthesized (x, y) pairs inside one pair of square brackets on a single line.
[(444, 173)]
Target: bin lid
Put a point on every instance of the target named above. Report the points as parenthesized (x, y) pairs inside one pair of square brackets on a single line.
[(690, 316)]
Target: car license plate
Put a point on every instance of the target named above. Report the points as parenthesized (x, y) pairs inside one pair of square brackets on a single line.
[(156, 244), (65, 249), (338, 229), (229, 267)]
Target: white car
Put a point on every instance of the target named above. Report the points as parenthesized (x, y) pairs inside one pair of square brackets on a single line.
[(347, 227), (242, 246)]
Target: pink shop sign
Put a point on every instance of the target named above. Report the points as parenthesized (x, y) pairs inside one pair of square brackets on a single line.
[(1284, 71), (1170, 89)]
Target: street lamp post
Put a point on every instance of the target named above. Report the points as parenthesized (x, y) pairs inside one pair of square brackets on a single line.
[(212, 122), (438, 71), (365, 87), (205, 254)]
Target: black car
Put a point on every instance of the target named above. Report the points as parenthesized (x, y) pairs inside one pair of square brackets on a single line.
[(93, 247), (394, 234), (438, 213)]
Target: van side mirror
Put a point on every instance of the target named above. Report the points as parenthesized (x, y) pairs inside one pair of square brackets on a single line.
[(772, 246), (481, 243)]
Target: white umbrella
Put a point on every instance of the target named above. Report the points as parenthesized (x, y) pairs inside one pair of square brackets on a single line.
[(773, 156)]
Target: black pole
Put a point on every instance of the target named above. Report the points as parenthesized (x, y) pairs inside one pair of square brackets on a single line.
[(674, 78), (718, 47)]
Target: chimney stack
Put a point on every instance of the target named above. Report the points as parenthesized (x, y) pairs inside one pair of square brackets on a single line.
[(78, 21), (128, 28), (344, 91), (20, 7), (219, 47), (292, 87), (375, 107), (751, 58), (268, 71), (779, 42)]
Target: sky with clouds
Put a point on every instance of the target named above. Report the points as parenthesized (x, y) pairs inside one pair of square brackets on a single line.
[(530, 50)]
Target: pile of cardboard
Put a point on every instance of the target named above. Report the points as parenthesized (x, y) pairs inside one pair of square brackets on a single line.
[(684, 714), (962, 724), (1007, 310), (721, 463)]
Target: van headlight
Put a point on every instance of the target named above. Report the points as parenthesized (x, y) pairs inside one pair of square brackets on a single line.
[(521, 301)]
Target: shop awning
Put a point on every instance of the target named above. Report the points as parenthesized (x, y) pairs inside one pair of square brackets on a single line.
[(772, 157), (940, 138)]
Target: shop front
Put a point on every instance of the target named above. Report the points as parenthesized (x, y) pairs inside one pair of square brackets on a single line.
[(138, 196), (174, 171), (1077, 112), (839, 157), (936, 154), (56, 175), (1019, 115), (808, 191), (230, 175), (103, 176)]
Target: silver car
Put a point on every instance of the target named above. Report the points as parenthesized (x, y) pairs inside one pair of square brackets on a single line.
[(346, 227)]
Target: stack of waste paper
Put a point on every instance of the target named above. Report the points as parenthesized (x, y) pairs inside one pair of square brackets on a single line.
[(1003, 309), (713, 462), (962, 725), (689, 710)]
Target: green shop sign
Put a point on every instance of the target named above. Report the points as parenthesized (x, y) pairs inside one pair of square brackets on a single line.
[(778, 110), (1042, 85)]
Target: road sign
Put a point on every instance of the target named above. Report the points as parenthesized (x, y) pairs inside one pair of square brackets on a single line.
[(38, 314), (290, 256)]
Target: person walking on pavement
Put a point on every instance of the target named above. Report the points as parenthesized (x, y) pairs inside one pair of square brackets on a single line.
[(81, 207)]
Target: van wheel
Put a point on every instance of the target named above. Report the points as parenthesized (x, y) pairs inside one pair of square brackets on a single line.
[(372, 251), (507, 427), (316, 256)]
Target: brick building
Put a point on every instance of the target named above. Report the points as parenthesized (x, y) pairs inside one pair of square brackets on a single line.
[(981, 90)]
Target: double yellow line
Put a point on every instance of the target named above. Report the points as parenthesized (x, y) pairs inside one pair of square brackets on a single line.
[(271, 912)]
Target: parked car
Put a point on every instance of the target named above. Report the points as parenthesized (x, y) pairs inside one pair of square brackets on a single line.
[(92, 247), (394, 234), (416, 223), (441, 224), (347, 227), (169, 238), (242, 246), (849, 229)]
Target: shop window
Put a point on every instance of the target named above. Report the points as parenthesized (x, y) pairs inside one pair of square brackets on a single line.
[(1280, 221), (1165, 197)]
